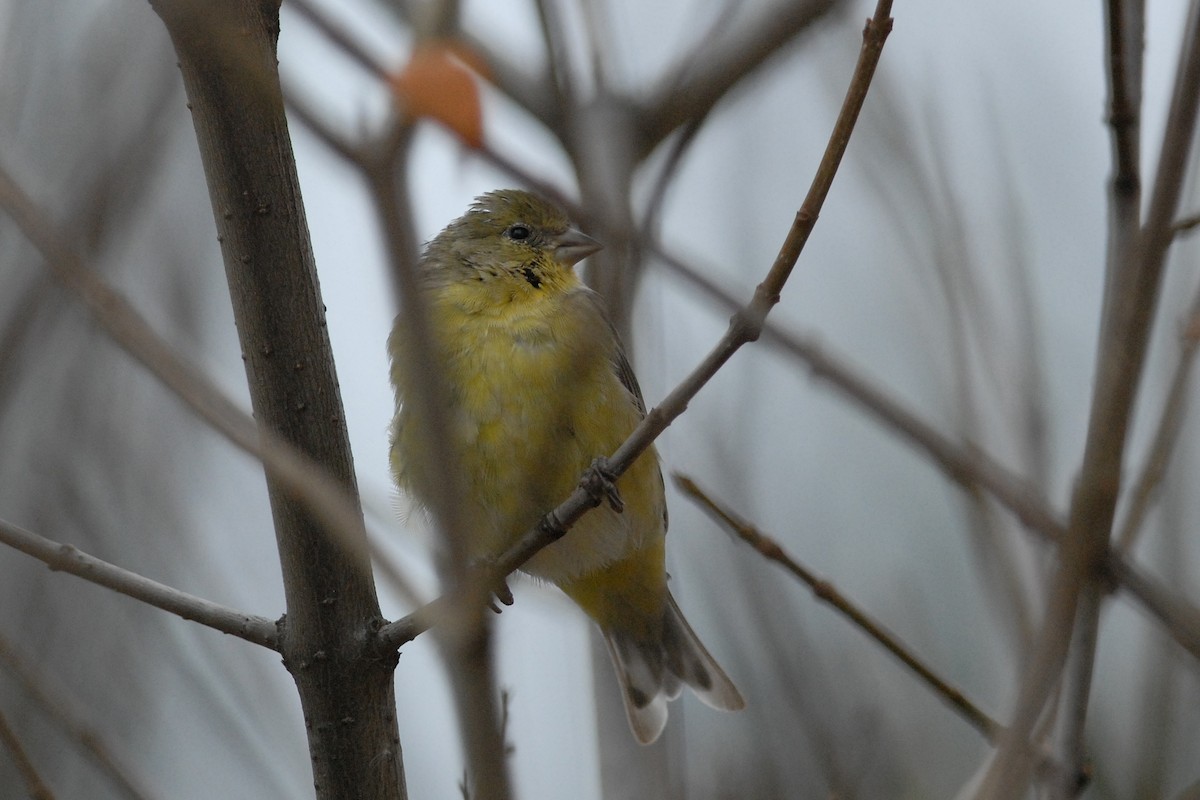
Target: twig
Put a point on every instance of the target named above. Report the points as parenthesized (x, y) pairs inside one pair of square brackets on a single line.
[(745, 326), (1125, 31), (67, 558), (824, 591), (535, 184), (599, 45), (33, 682), (34, 785)]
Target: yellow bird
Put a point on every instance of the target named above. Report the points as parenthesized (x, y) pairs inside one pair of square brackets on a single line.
[(539, 386)]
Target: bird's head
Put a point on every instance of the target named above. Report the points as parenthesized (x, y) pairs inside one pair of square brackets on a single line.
[(508, 237)]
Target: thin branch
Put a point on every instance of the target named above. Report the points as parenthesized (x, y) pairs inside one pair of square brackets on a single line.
[(467, 648), (533, 182), (33, 681), (745, 326), (1178, 134), (465, 643), (598, 34), (385, 177), (1160, 695), (34, 785), (826, 592), (67, 558)]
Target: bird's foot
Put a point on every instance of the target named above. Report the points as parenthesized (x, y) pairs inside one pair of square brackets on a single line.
[(500, 591), (503, 594), (601, 484)]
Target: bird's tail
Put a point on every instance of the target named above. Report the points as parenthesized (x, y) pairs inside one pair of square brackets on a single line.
[(652, 671)]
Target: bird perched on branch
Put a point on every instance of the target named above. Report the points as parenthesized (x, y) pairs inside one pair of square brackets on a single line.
[(537, 387)]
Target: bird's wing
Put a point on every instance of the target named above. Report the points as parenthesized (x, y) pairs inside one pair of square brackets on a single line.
[(620, 362), (626, 376), (622, 368)]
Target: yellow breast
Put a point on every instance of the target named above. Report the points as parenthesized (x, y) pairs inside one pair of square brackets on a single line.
[(534, 399)]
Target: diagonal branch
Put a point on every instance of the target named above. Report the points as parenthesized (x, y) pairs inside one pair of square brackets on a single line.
[(67, 558), (824, 591)]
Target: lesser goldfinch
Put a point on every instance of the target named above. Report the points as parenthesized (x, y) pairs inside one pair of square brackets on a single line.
[(538, 387)]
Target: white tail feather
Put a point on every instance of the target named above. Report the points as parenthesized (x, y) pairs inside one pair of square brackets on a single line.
[(652, 672)]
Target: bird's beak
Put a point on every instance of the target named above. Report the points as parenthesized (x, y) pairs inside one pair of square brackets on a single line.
[(574, 246)]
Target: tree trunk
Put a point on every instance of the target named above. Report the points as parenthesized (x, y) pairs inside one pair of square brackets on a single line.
[(227, 54)]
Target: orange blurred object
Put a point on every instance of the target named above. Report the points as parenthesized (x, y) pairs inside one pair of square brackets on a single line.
[(439, 83)]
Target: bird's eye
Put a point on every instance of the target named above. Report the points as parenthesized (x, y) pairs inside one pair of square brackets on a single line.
[(518, 232)]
